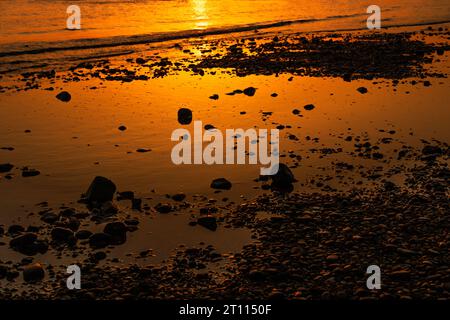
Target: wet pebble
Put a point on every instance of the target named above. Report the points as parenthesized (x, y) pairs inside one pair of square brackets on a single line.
[(221, 183), (33, 273), (64, 96)]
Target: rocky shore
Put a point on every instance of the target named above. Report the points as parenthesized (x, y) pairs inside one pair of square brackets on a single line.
[(308, 245)]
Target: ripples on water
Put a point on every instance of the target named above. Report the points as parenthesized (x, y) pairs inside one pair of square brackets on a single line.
[(45, 20)]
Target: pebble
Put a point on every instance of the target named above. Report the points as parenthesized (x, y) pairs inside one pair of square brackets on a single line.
[(184, 116), (209, 222), (30, 173), (62, 235), (250, 91), (100, 190), (100, 240), (64, 96), (163, 208), (5, 167), (221, 184), (362, 90), (33, 273)]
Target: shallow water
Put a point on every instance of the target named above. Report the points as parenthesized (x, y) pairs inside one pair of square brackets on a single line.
[(72, 142)]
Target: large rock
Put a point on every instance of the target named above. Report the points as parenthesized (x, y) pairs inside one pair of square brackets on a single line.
[(284, 176), (33, 273), (221, 183), (101, 190)]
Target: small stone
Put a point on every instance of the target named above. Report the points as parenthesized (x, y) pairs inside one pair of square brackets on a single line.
[(64, 96), (136, 204), (209, 127), (332, 257), (178, 197), (284, 176), (221, 183), (30, 173), (100, 240), (33, 273), (126, 195), (3, 271), (257, 275), (28, 244), (209, 222), (117, 231), (143, 150), (108, 208), (99, 255), (377, 156), (50, 217), (131, 222), (23, 241), (83, 234), (101, 190), (407, 252), (5, 167), (401, 274), (429, 150), (214, 97), (163, 208), (184, 116), (122, 128), (250, 91), (309, 107), (15, 229), (362, 90), (62, 234)]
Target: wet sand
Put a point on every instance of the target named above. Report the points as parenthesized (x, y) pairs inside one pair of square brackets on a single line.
[(370, 161)]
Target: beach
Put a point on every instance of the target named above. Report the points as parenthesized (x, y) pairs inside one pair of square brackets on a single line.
[(363, 121)]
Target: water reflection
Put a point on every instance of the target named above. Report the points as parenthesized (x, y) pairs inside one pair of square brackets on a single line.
[(200, 14)]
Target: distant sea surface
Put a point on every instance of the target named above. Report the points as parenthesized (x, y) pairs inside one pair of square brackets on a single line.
[(39, 26)]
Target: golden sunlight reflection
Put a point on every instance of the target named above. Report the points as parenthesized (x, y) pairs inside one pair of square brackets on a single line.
[(200, 13)]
